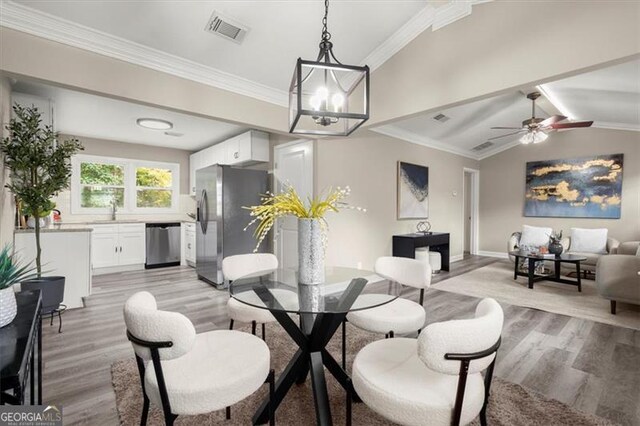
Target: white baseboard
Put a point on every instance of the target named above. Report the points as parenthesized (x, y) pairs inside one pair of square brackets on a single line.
[(113, 269), (456, 258), (499, 254)]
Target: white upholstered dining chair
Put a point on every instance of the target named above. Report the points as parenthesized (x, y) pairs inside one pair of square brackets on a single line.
[(242, 266), (401, 316), (435, 379), (186, 373)]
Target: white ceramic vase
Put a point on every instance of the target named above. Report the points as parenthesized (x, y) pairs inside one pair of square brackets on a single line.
[(8, 308), (310, 251)]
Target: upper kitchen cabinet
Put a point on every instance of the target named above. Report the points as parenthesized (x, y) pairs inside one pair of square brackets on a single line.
[(248, 148)]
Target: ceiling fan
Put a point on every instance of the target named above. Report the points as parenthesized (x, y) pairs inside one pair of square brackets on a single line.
[(536, 129)]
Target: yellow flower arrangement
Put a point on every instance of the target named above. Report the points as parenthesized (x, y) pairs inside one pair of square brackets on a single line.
[(288, 203)]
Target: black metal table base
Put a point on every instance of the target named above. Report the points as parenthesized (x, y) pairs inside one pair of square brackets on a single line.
[(533, 277), (312, 336)]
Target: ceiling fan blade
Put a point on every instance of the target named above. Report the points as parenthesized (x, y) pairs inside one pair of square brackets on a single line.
[(572, 125), (552, 120), (506, 128), (508, 134)]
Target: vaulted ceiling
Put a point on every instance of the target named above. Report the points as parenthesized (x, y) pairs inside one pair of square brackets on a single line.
[(609, 96), (170, 35)]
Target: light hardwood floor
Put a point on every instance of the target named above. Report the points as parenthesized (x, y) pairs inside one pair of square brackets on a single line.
[(590, 366)]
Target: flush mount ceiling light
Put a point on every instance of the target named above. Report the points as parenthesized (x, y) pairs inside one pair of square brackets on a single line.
[(154, 123), (325, 97)]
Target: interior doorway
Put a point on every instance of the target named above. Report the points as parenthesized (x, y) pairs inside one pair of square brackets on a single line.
[(293, 165), (470, 192)]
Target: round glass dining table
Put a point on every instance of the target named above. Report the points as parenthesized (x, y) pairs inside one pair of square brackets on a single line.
[(322, 308)]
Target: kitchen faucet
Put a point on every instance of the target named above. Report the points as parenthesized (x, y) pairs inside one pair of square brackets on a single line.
[(114, 209)]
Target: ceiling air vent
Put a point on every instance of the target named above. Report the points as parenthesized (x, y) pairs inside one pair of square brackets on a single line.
[(482, 146), (226, 28), (441, 118)]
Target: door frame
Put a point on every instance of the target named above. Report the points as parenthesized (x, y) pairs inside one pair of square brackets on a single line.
[(475, 209)]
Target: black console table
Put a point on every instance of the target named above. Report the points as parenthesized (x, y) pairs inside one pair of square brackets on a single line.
[(405, 245), (20, 349)]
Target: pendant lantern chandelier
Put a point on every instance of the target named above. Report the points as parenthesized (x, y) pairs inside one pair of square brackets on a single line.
[(327, 97)]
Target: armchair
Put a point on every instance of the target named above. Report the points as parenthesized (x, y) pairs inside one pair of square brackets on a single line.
[(617, 276)]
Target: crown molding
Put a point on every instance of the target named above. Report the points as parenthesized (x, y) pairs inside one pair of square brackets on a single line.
[(32, 21), (407, 136), (403, 36), (450, 13)]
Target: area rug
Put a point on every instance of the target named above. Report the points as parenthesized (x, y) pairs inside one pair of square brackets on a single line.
[(510, 404), (496, 280)]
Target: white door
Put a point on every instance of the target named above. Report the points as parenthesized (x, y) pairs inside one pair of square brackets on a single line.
[(293, 166), (104, 250), (132, 248)]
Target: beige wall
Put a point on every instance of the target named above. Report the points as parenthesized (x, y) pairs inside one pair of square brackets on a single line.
[(108, 148), (502, 45), (502, 185), (368, 164), (7, 206)]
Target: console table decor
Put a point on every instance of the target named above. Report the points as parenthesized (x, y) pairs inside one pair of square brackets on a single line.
[(20, 348), (405, 245)]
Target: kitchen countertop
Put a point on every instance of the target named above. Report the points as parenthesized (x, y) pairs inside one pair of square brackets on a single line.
[(86, 226)]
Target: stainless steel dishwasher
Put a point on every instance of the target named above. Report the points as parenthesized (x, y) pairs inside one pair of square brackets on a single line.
[(163, 244)]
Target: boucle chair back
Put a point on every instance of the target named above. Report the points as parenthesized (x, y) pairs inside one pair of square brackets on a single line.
[(246, 265), (145, 322), (462, 337), (405, 271)]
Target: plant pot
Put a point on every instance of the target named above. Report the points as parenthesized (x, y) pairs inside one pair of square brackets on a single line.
[(52, 289), (31, 222), (310, 251), (8, 307), (555, 248)]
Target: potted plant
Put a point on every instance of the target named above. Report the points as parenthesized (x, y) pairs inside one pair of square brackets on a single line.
[(12, 271), (39, 167), (555, 245), (312, 226), (45, 215)]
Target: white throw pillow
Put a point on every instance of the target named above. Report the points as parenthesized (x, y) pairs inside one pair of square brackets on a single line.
[(589, 240), (535, 236)]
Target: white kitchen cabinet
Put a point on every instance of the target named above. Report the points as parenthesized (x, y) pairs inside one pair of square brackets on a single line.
[(189, 244), (248, 148), (118, 247)]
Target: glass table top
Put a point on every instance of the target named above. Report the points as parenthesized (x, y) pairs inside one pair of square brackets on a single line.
[(567, 257), (343, 290)]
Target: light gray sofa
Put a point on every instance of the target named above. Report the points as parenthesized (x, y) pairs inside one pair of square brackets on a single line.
[(588, 266), (617, 276)]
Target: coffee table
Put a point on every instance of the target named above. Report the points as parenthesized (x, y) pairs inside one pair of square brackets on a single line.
[(557, 260)]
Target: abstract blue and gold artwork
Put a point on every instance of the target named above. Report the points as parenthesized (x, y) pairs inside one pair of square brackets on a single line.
[(587, 187), (413, 191)]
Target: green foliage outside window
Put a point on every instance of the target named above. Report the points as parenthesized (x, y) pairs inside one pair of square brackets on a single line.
[(101, 174), (151, 177)]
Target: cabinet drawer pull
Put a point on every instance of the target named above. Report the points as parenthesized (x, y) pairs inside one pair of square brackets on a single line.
[(236, 154)]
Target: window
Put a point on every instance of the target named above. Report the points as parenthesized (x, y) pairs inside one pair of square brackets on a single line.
[(135, 186)]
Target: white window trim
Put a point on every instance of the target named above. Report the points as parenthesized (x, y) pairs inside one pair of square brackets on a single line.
[(130, 187)]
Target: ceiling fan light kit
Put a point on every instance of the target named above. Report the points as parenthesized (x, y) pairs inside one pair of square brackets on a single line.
[(326, 97), (537, 130)]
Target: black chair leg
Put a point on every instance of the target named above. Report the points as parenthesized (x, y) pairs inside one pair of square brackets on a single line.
[(253, 327), (613, 307), (263, 331), (349, 400), (145, 411), (60, 321), (391, 334), (271, 378), (51, 319), (227, 413), (230, 324), (344, 345)]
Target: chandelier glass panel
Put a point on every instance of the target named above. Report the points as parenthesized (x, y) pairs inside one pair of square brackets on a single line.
[(327, 97)]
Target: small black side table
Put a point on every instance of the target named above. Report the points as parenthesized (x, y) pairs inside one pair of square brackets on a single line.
[(20, 347), (405, 245)]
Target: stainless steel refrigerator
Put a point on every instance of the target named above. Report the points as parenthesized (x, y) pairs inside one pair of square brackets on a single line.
[(221, 192)]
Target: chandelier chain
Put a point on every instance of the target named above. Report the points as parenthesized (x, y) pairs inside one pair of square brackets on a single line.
[(326, 35)]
